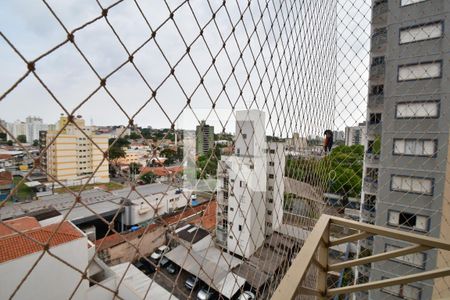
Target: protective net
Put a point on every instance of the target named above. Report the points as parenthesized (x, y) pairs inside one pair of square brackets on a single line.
[(187, 149)]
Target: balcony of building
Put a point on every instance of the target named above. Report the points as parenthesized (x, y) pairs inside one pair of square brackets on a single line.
[(379, 11), (379, 40), (309, 273)]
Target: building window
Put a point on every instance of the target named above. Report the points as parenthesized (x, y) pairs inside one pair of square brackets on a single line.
[(411, 110), (271, 176), (421, 32), (270, 200), (268, 224), (238, 151), (374, 118), (412, 184), (415, 147), (377, 61), (271, 163), (425, 70), (408, 220), (270, 188), (377, 89), (240, 227), (269, 212), (231, 237), (272, 151), (409, 2), (416, 259), (403, 291), (244, 136), (231, 209)]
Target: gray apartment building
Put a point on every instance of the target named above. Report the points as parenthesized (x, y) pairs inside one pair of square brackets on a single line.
[(408, 116), (204, 135)]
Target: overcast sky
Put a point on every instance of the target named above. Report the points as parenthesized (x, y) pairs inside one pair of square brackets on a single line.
[(317, 104)]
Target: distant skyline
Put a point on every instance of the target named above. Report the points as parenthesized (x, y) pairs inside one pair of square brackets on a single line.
[(70, 79)]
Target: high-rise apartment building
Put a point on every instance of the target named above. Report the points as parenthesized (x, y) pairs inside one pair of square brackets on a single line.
[(355, 135), (73, 156), (30, 128), (250, 187), (204, 135), (406, 163)]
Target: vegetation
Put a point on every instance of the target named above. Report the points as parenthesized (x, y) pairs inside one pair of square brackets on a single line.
[(117, 151), (342, 169), (23, 192), (22, 138), (148, 178), (207, 164), (110, 186), (2, 136), (36, 143)]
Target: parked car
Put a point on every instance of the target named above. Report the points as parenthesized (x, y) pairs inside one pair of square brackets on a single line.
[(172, 268), (159, 252), (164, 261), (191, 282), (205, 294), (145, 266), (247, 295)]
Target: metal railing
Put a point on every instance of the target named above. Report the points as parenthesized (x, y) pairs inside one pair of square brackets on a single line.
[(307, 276)]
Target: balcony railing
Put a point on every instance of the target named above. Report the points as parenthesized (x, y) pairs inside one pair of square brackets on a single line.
[(375, 100), (377, 71), (307, 275), (372, 158), (379, 41), (379, 12)]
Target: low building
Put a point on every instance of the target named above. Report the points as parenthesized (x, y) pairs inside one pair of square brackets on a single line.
[(72, 254), (6, 184)]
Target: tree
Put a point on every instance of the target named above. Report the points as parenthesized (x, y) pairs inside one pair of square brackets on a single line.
[(22, 138), (134, 168), (9, 143), (148, 178), (170, 156), (36, 143), (2, 136), (134, 135), (116, 151), (207, 164)]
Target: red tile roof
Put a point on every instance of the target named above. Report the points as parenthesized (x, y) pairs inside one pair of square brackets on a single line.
[(5, 156), (6, 178), (162, 171), (19, 224), (17, 245)]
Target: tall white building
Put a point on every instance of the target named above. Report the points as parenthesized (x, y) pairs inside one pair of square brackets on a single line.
[(250, 187), (355, 135), (30, 128)]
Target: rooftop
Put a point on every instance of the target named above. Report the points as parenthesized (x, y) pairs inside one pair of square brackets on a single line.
[(32, 240)]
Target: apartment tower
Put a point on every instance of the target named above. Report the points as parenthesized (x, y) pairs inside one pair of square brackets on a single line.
[(405, 169), (250, 187), (72, 157)]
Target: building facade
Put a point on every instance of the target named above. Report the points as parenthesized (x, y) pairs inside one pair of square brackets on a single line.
[(250, 187), (204, 135), (405, 168), (72, 157), (355, 135)]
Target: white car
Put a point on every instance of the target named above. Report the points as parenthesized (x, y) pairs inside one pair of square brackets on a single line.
[(247, 295), (159, 252)]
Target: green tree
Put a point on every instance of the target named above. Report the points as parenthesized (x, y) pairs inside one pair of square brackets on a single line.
[(9, 143), (170, 154), (134, 168), (207, 164), (36, 143), (116, 150), (134, 135), (22, 138), (2, 136), (148, 178)]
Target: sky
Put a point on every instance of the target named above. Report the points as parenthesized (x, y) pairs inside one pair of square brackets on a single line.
[(309, 84)]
